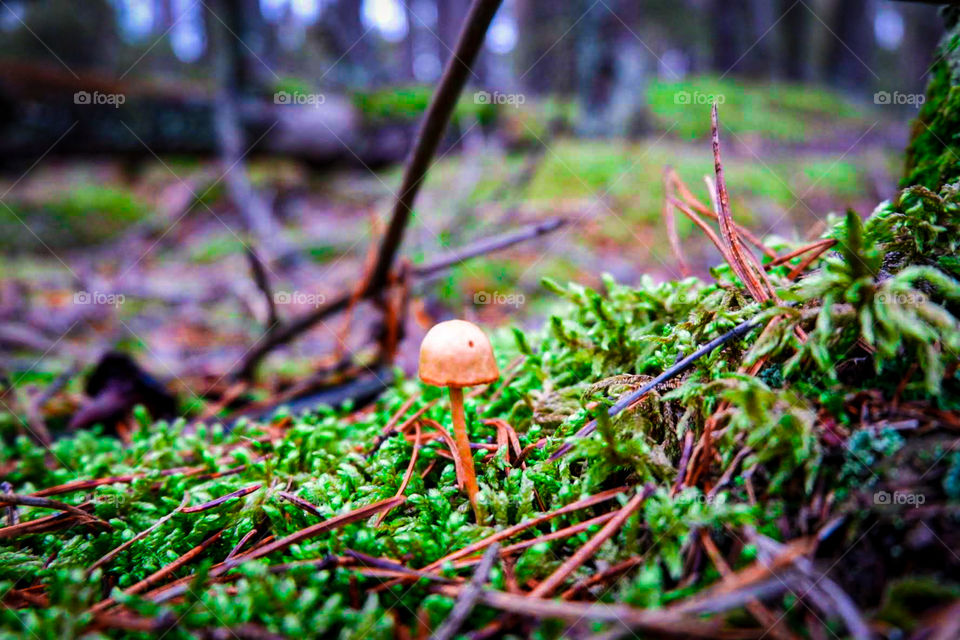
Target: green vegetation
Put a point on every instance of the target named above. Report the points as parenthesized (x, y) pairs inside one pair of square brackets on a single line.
[(782, 112), (407, 104), (878, 311), (932, 157), (83, 214)]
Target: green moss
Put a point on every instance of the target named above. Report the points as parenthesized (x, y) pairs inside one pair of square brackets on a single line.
[(933, 156)]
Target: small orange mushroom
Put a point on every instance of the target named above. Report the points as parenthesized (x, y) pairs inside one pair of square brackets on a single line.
[(457, 354)]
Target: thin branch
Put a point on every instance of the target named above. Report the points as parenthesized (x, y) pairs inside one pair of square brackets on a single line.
[(260, 278), (431, 132), (47, 503), (487, 246)]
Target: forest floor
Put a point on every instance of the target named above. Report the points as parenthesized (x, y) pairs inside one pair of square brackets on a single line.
[(163, 252)]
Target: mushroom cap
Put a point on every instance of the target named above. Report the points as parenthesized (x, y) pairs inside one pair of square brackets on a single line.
[(457, 353)]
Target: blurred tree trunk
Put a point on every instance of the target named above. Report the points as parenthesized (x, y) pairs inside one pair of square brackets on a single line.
[(794, 34), (545, 62), (727, 28), (352, 44), (850, 45), (409, 51), (450, 16), (758, 48)]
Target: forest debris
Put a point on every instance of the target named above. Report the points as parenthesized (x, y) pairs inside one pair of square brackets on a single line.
[(557, 578), (160, 574), (115, 386)]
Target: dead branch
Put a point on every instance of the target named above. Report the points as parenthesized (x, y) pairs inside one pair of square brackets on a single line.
[(431, 131)]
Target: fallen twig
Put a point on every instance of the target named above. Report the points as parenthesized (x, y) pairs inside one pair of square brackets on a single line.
[(300, 502)]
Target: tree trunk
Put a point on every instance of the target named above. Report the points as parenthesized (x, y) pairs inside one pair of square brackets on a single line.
[(794, 32), (851, 43)]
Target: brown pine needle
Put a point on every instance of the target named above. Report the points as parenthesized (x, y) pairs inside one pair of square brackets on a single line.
[(140, 536), (585, 552), (46, 503), (559, 534), (407, 475), (239, 493), (670, 221), (763, 615), (300, 502), (796, 253), (330, 524), (160, 574), (701, 208)]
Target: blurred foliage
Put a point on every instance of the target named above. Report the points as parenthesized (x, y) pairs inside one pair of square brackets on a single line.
[(782, 112), (408, 103), (84, 214)]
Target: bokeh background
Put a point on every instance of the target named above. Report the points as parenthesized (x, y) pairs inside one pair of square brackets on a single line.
[(147, 145)]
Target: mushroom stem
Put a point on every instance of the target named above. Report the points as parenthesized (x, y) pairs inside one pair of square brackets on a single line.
[(469, 479)]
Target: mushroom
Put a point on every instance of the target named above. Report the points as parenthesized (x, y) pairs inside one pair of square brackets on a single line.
[(457, 354)]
